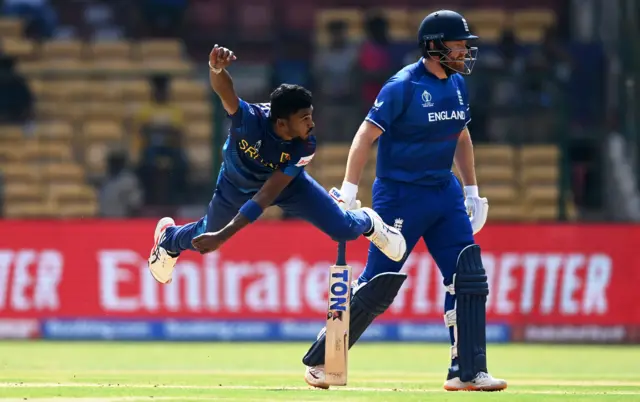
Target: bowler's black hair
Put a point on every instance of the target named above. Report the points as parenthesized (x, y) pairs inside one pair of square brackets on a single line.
[(287, 99)]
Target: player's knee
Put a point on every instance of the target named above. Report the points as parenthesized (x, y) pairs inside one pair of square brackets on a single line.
[(470, 277), (344, 231)]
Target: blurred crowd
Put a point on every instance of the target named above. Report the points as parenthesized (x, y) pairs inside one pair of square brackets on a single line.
[(549, 92)]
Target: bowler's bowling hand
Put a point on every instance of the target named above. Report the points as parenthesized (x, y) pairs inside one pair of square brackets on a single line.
[(208, 242), (220, 57), (477, 208)]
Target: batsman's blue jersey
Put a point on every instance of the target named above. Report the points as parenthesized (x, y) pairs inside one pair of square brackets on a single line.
[(421, 116), (253, 151)]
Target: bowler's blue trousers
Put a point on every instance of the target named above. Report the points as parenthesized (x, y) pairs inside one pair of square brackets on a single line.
[(304, 198)]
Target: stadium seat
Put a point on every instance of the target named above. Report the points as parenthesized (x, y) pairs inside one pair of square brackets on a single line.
[(504, 212), (63, 90), (543, 174), (36, 151), (495, 174), (530, 25), (14, 192), (500, 194), (542, 195), (494, 154), (101, 111), (11, 133), (528, 36), (11, 28), (159, 49), (539, 155), (166, 66), (63, 172), (540, 17), (353, 17), (103, 90), (197, 111), (31, 68), (71, 111), (102, 130), (11, 152), (54, 131), (71, 192), (487, 23), (62, 50), (28, 210), (20, 172), (184, 90), (109, 51), (17, 47), (135, 90), (117, 67), (81, 209)]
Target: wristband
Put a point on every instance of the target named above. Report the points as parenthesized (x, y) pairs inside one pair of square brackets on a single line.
[(215, 70), (251, 210), (349, 190), (471, 191)]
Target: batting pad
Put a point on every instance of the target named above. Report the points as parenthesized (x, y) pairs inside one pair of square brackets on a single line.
[(471, 289), (368, 302)]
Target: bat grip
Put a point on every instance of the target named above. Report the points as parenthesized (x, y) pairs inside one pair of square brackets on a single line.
[(342, 253)]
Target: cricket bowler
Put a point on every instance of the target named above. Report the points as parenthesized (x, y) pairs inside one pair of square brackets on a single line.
[(420, 118), (264, 157)]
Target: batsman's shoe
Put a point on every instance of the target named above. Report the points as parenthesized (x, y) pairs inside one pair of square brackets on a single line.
[(314, 376), (161, 263), (482, 382), (387, 238)]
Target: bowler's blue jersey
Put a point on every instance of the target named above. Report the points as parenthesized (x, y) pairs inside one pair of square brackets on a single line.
[(253, 151), (421, 117)]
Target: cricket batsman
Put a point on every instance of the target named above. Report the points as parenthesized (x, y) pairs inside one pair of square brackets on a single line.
[(264, 157), (420, 118)]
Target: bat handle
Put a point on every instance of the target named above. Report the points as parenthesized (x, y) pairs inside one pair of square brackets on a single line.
[(342, 253)]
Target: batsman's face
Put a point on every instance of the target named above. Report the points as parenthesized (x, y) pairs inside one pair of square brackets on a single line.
[(300, 124), (458, 54)]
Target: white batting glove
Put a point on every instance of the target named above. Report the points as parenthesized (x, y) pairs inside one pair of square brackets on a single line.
[(346, 196), (477, 208)]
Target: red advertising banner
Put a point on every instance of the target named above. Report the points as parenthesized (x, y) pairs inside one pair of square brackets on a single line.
[(539, 274)]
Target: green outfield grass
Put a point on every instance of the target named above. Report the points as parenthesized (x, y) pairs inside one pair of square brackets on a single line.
[(113, 372)]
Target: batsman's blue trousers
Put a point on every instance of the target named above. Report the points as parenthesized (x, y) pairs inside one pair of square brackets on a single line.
[(304, 198), (434, 213)]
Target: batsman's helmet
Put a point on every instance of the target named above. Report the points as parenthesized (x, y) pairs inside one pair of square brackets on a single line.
[(442, 26)]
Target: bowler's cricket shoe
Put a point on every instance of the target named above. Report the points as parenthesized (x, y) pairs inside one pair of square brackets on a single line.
[(387, 238), (314, 376), (482, 382), (161, 263)]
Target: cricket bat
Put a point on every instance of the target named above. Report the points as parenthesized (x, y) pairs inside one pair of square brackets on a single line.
[(337, 326)]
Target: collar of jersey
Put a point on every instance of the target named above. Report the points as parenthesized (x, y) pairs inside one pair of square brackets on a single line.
[(275, 136), (422, 69)]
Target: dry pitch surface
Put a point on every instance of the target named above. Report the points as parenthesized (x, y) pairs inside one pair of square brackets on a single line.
[(132, 372)]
